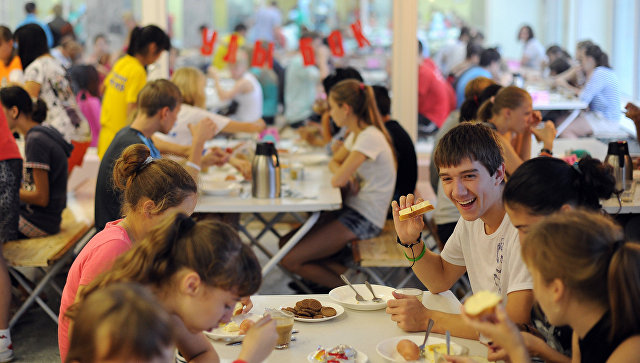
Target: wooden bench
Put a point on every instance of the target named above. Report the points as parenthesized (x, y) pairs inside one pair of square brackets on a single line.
[(50, 254), (383, 253)]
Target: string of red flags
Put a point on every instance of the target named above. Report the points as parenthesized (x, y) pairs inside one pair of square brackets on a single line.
[(263, 52)]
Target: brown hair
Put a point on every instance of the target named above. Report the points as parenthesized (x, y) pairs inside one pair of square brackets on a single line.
[(163, 181), (469, 140), (210, 248), (188, 81), (362, 101), (156, 95), (476, 86), (5, 34), (510, 97), (100, 320), (587, 252)]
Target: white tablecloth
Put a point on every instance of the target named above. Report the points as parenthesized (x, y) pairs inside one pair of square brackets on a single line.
[(362, 330)]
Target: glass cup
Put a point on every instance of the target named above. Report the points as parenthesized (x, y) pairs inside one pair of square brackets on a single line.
[(417, 293), (284, 326)]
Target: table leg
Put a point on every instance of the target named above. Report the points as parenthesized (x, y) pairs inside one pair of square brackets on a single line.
[(563, 126), (313, 218)]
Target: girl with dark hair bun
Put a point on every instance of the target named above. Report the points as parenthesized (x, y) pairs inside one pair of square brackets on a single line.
[(152, 189), (126, 79), (44, 191), (45, 78), (585, 276), (538, 188)]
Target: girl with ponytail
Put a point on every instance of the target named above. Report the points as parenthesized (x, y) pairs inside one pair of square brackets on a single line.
[(126, 79), (197, 271), (538, 188), (365, 167), (601, 92), (585, 276), (510, 113), (152, 188)]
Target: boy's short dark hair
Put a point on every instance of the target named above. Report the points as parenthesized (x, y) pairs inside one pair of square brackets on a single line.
[(30, 7), (489, 56), (469, 140), (158, 94)]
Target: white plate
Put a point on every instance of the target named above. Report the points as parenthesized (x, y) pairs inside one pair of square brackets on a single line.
[(310, 159), (339, 311), (387, 347), (360, 358), (225, 336), (220, 187), (347, 298)]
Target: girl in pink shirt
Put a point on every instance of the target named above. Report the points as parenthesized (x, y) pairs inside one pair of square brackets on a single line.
[(152, 188), (197, 271)]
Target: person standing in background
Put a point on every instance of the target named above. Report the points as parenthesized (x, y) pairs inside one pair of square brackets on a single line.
[(126, 79), (31, 18), (453, 54), (267, 23), (59, 26)]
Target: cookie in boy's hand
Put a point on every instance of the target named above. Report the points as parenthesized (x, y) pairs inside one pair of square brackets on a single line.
[(481, 303), (415, 210)]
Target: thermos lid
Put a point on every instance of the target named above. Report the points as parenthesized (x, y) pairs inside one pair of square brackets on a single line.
[(618, 148), (265, 148)]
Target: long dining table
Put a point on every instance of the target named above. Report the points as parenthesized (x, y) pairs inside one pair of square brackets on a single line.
[(362, 330), (310, 194)]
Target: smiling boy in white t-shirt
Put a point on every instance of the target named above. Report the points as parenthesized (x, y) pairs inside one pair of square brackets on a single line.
[(484, 243)]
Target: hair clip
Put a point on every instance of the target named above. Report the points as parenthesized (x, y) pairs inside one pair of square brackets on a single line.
[(577, 168), (361, 86), (148, 160)]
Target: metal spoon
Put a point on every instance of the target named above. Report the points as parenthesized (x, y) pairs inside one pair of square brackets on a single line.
[(426, 336), (375, 299), (448, 336), (358, 296)]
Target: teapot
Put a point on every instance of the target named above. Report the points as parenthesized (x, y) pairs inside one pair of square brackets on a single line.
[(618, 157), (265, 172)]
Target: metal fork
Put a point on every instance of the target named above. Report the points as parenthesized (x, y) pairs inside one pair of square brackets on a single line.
[(358, 296), (426, 336), (375, 299)]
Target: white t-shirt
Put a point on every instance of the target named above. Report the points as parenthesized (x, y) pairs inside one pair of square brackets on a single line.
[(250, 103), (534, 51), (377, 174), (62, 111), (188, 114), (493, 261)]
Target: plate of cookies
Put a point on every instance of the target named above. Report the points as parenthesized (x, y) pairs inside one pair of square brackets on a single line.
[(314, 311)]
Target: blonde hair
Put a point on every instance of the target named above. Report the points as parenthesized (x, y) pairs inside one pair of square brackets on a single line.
[(587, 252), (510, 97), (188, 81)]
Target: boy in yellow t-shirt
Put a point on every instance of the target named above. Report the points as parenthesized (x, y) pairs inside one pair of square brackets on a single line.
[(126, 79)]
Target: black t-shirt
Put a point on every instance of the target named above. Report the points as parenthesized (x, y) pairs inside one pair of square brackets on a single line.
[(45, 148), (596, 345), (407, 161), (108, 199)]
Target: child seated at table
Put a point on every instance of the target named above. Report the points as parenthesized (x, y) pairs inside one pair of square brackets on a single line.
[(197, 271), (365, 167), (484, 243), (586, 276), (151, 189), (191, 82), (510, 114), (44, 191), (122, 322)]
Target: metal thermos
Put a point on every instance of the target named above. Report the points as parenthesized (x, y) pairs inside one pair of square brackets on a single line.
[(265, 172), (618, 157)]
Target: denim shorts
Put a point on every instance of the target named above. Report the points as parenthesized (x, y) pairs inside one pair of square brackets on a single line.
[(359, 225)]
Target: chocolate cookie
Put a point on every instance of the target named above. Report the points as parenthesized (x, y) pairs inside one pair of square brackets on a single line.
[(302, 304), (328, 311), (318, 316), (314, 304)]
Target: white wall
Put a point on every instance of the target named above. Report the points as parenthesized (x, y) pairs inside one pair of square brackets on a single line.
[(503, 19)]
